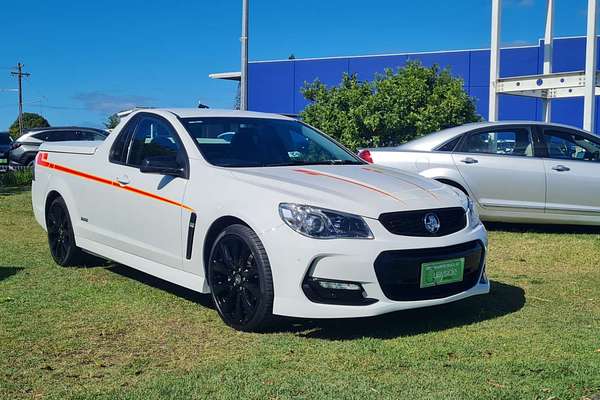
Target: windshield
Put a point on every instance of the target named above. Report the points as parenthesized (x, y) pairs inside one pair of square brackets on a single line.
[(4, 138), (262, 142)]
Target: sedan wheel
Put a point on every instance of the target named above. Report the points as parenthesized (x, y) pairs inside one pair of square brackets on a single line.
[(240, 279)]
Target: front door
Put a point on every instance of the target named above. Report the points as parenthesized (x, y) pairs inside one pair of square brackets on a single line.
[(573, 172), (499, 166), (147, 207)]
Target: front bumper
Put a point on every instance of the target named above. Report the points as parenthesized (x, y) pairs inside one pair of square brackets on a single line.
[(387, 281)]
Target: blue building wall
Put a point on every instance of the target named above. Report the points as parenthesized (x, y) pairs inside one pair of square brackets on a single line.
[(274, 86)]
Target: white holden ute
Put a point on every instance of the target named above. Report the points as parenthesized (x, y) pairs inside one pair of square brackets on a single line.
[(269, 215)]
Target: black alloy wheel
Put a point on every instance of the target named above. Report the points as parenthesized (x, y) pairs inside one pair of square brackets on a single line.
[(240, 279), (60, 235)]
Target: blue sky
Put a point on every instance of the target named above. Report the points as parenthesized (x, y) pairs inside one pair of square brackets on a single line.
[(91, 58)]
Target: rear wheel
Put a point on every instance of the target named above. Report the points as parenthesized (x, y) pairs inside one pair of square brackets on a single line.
[(240, 279), (61, 238)]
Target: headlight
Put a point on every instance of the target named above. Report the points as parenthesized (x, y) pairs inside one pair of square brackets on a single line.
[(473, 215), (320, 223)]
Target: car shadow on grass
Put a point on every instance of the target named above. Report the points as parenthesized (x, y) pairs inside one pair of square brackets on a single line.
[(204, 300), (535, 228), (11, 190), (503, 299), (7, 272)]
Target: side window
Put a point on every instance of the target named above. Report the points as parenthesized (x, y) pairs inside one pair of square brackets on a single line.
[(58, 136), (42, 136), (88, 135), (69, 135), (449, 146), (570, 146), (506, 141), (152, 137), (118, 151)]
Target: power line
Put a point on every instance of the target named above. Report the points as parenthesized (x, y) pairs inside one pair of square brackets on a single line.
[(20, 74)]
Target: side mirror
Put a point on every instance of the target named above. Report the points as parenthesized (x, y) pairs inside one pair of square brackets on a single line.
[(163, 165)]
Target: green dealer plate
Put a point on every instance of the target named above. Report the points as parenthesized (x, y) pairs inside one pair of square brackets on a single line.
[(3, 161), (442, 272)]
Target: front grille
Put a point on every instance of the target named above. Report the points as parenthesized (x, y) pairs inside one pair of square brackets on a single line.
[(412, 223), (399, 271)]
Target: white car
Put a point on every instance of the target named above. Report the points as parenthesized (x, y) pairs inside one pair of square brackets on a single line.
[(521, 171), (274, 218)]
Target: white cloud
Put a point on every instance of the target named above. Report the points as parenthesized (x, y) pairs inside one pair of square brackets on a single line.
[(106, 103)]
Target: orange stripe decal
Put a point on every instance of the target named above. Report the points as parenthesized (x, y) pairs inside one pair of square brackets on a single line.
[(339, 178), (42, 161), (371, 169)]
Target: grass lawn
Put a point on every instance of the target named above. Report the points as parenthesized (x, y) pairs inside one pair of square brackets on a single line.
[(109, 332)]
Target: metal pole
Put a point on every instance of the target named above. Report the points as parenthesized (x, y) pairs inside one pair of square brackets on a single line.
[(494, 59), (244, 67), (548, 49), (589, 104)]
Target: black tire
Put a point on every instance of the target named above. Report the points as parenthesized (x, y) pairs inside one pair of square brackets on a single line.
[(61, 238), (241, 284)]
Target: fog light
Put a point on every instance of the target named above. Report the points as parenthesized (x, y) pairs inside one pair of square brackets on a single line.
[(335, 292), (339, 285)]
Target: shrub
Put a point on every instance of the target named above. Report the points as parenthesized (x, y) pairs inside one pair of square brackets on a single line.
[(390, 110), (19, 177)]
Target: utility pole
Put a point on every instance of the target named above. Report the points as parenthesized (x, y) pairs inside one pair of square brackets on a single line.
[(20, 74), (244, 66)]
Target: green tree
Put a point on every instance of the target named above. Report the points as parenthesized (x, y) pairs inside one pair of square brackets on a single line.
[(30, 121), (112, 121), (390, 110)]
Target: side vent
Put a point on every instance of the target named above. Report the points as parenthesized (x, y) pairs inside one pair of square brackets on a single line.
[(190, 237)]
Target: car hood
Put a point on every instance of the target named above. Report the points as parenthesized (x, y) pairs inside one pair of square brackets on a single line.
[(365, 190)]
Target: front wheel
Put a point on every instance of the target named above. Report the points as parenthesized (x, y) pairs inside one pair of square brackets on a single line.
[(239, 275)]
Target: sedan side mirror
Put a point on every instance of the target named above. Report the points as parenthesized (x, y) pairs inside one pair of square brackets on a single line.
[(163, 165)]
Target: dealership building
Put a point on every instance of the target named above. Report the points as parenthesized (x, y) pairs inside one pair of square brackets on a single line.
[(275, 86)]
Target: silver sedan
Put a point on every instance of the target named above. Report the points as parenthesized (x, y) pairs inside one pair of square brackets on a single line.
[(528, 172)]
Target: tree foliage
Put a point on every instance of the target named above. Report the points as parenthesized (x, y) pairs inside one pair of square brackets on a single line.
[(30, 121), (390, 110), (112, 121)]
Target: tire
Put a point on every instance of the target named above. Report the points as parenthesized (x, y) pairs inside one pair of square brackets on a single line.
[(241, 284), (61, 238)]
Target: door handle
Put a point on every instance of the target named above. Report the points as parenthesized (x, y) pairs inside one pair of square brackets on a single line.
[(469, 160), (561, 168), (123, 180)]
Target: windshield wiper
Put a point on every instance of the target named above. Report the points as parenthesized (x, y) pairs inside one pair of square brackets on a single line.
[(321, 162), (345, 162)]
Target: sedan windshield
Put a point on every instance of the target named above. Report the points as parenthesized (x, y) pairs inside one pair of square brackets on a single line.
[(262, 142)]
